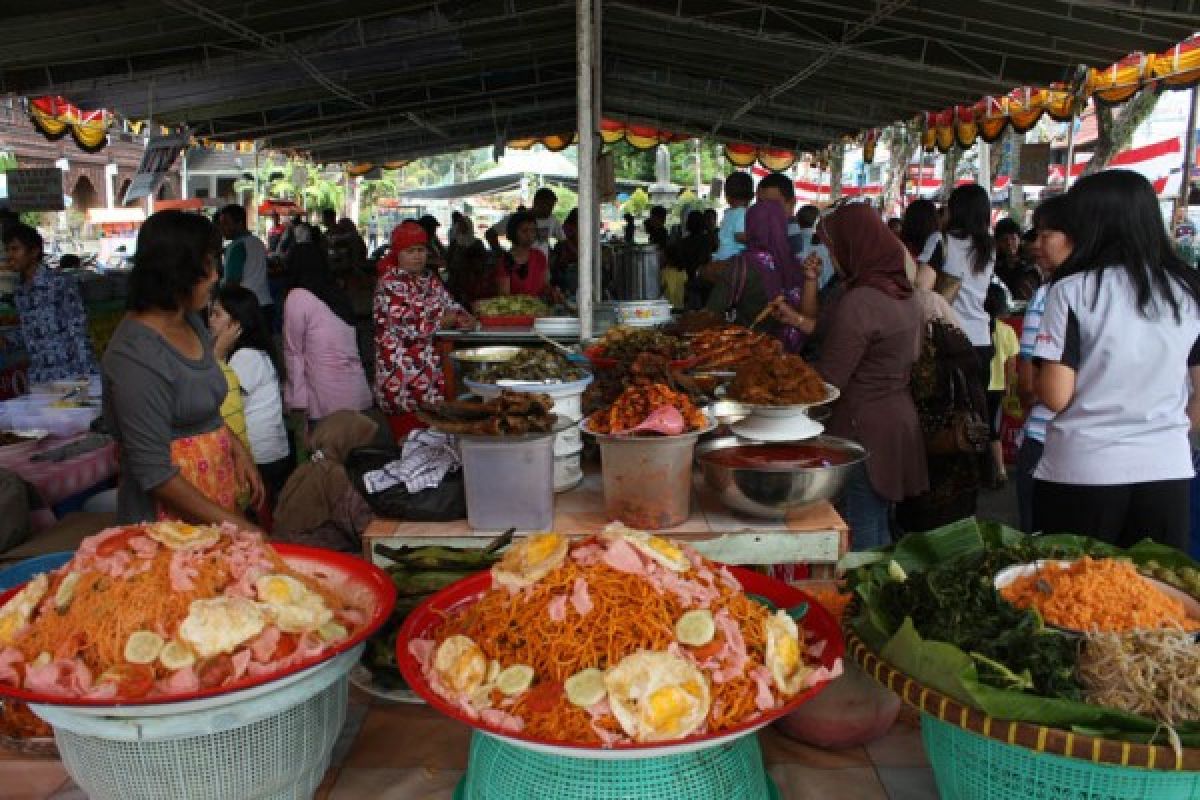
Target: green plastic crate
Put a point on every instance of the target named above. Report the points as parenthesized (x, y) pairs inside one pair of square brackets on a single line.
[(498, 770), (968, 766)]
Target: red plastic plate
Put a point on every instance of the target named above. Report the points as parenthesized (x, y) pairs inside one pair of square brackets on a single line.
[(430, 614), (366, 584)]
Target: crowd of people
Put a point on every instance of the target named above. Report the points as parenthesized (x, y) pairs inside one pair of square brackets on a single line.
[(904, 317), (232, 360)]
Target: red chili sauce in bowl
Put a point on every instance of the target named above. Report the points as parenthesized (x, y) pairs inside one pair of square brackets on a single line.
[(778, 456)]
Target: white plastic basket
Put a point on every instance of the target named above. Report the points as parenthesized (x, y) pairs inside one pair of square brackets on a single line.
[(273, 745)]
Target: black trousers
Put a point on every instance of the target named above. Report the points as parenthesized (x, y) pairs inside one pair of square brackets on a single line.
[(1027, 460), (1122, 515)]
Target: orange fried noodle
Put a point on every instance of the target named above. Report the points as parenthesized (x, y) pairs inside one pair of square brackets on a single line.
[(104, 611), (628, 615)]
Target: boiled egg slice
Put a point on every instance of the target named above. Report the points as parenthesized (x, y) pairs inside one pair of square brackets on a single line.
[(784, 659), (292, 606), (219, 624), (460, 665), (657, 696), (182, 536), (530, 560), (657, 548), (15, 614)]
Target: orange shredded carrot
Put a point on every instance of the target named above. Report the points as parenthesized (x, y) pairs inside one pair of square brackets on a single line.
[(1106, 595), (831, 599)]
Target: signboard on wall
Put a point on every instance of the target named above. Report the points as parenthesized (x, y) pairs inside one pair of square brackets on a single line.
[(160, 154), (1035, 164), (35, 189)]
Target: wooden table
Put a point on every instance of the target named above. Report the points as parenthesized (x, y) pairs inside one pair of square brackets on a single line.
[(816, 535)]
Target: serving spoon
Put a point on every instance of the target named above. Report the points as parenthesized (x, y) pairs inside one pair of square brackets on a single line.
[(665, 420)]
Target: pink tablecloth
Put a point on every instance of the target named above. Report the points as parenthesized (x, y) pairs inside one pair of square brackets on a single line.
[(56, 481)]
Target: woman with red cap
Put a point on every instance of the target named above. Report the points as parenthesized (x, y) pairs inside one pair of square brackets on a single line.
[(870, 338), (411, 303)]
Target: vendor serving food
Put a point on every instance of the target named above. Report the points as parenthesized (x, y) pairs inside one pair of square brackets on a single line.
[(411, 303)]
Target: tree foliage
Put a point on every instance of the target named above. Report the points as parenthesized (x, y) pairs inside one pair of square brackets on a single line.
[(1115, 128), (632, 164), (637, 204)]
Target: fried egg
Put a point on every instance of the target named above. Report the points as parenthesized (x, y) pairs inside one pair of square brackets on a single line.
[(182, 536), (15, 614), (292, 606), (460, 664), (219, 624), (530, 560), (657, 696), (659, 549), (783, 653)]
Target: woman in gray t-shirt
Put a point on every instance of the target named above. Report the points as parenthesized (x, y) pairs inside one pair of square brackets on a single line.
[(1118, 346), (163, 388)]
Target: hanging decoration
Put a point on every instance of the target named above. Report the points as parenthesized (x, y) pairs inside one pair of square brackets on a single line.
[(54, 118), (1177, 68)]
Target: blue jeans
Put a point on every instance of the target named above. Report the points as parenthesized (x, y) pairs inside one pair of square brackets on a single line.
[(867, 514)]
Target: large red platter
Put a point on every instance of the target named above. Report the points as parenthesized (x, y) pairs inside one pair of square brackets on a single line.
[(429, 615), (365, 585)]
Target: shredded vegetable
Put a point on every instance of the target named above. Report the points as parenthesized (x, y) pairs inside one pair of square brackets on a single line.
[(1098, 595), (1152, 673)]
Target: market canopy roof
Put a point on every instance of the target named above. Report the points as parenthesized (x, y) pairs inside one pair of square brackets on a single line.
[(378, 80)]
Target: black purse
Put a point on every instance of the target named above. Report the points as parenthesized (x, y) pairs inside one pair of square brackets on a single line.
[(442, 503)]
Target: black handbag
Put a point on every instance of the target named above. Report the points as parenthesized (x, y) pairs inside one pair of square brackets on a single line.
[(442, 503)]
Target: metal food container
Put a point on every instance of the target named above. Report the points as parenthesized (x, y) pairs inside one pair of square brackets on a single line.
[(772, 491), (470, 362)]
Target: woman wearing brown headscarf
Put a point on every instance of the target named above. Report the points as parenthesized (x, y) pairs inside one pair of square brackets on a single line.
[(870, 335), (319, 506)]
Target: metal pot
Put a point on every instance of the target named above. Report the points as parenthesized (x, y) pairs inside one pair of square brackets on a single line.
[(636, 274)]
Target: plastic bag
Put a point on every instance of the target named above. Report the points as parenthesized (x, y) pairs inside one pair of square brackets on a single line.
[(442, 503)]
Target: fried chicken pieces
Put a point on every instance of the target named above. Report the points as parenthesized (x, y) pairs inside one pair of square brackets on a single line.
[(780, 380), (729, 346)]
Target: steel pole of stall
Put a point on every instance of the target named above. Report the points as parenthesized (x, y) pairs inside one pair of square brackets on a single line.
[(585, 118)]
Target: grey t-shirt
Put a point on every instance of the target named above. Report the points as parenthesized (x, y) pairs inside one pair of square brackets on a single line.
[(152, 396)]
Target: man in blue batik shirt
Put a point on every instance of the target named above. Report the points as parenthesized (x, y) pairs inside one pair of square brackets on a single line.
[(53, 320)]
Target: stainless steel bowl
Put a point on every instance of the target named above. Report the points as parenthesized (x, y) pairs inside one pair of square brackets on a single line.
[(769, 491), (470, 362)]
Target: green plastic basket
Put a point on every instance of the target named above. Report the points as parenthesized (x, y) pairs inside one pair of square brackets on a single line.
[(498, 770), (968, 766)]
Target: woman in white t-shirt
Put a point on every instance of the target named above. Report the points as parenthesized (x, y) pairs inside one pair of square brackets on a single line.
[(1119, 361), (244, 341), (970, 256)]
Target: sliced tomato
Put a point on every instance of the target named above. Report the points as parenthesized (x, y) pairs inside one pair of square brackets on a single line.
[(212, 672), (711, 650), (287, 644), (133, 680), (543, 697), (117, 542)]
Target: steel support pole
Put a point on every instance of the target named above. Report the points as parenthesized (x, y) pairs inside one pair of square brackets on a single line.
[(589, 206)]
